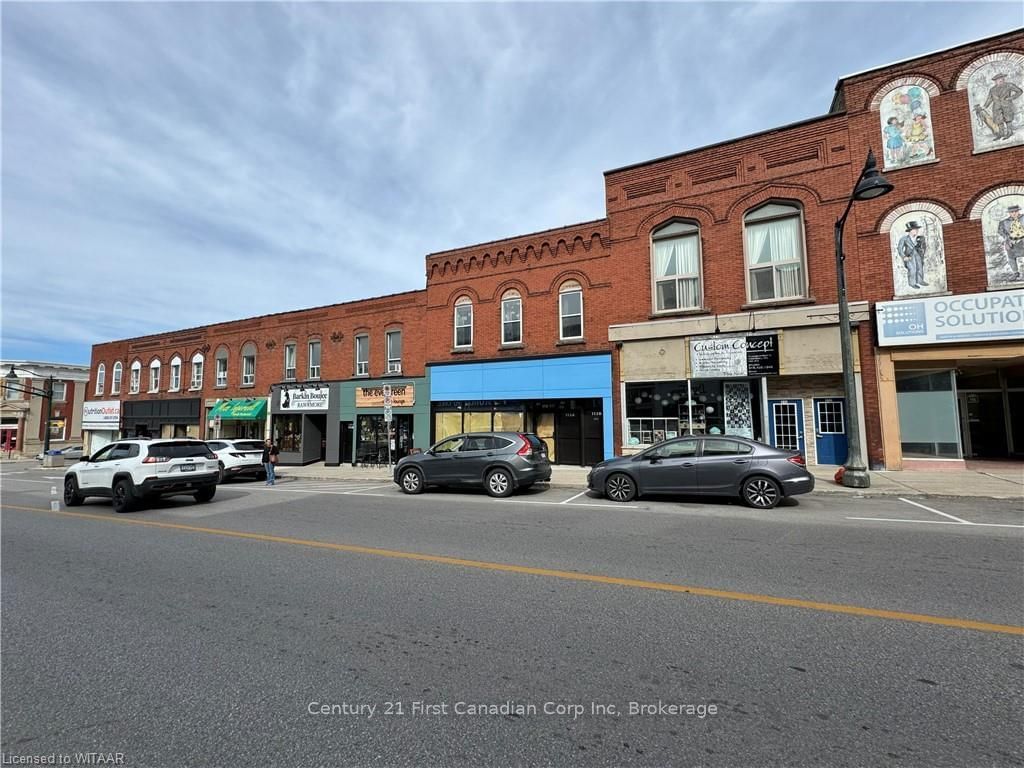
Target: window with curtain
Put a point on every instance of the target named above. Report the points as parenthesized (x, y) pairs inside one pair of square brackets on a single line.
[(136, 378), (570, 311), (773, 241), (175, 374), (289, 361), (249, 365), (464, 322), (511, 318), (222, 367), (115, 378), (154, 376), (314, 359), (394, 345), (676, 267), (101, 378), (197, 371), (362, 355)]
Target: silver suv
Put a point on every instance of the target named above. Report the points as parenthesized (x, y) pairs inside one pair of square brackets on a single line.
[(499, 461), (131, 471)]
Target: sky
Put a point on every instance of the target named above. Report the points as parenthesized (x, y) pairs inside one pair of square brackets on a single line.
[(169, 165)]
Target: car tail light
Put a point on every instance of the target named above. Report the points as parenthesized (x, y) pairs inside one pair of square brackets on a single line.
[(212, 455), (525, 450), (156, 459), (798, 460)]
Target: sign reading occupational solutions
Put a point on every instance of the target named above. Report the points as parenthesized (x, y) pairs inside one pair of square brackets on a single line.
[(995, 316), (101, 415), (402, 396), (723, 357), (305, 398)]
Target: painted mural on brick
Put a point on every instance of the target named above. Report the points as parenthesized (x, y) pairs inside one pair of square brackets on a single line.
[(994, 91), (1002, 226), (918, 254), (906, 127)]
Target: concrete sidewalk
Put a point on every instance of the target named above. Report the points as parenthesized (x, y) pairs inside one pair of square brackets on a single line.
[(1003, 482)]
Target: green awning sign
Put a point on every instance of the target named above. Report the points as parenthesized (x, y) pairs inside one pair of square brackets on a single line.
[(240, 409)]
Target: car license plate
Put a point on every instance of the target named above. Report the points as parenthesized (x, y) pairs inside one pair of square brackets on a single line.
[(188, 467)]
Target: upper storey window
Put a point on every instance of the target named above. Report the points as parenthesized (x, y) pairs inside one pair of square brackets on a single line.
[(511, 318), (675, 253), (570, 311), (464, 323), (773, 238)]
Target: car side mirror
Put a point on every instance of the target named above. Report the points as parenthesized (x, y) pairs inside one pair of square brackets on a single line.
[(85, 457), (655, 459)]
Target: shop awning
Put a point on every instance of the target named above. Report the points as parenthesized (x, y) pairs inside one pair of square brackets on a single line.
[(240, 409)]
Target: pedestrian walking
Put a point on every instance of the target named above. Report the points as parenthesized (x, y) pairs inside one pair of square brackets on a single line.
[(270, 453)]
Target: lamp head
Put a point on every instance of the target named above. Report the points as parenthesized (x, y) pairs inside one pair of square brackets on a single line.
[(871, 184), (11, 375)]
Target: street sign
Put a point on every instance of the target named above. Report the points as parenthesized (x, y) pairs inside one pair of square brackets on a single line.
[(387, 414), (388, 401)]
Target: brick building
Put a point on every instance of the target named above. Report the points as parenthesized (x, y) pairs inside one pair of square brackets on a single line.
[(23, 415), (705, 302)]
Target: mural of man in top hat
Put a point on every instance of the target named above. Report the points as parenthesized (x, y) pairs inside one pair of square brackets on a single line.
[(1011, 230), (1000, 98), (911, 249)]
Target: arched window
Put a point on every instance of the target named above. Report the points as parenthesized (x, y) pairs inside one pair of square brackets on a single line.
[(249, 365), (101, 378), (464, 323), (136, 378), (115, 378), (314, 358), (197, 371), (675, 267), (362, 354), (221, 361), (154, 376), (511, 318), (175, 383), (570, 311), (773, 238)]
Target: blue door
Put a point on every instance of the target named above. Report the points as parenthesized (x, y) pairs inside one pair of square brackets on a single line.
[(786, 424), (830, 429)]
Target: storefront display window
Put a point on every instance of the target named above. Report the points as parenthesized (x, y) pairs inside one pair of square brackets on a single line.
[(657, 411), (372, 438), (928, 414), (288, 433)]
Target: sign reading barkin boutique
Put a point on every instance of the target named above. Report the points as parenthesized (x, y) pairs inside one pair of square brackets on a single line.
[(723, 357), (305, 398)]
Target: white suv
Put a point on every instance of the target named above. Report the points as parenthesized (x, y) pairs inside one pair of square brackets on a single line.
[(130, 471), (236, 458)]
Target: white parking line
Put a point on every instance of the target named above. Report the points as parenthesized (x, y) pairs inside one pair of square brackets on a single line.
[(936, 522), (370, 488), (574, 497), (937, 512), (559, 503)]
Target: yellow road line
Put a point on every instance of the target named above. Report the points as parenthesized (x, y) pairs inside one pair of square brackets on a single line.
[(853, 610)]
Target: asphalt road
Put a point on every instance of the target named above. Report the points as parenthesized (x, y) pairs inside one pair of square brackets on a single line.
[(216, 634)]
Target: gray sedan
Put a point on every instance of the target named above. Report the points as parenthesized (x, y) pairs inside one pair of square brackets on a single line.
[(759, 474)]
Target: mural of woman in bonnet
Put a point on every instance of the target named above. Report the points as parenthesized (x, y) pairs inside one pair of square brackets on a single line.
[(906, 126), (893, 132)]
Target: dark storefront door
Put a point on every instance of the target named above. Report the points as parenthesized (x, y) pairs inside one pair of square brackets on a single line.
[(568, 437), (983, 423), (346, 442), (593, 436)]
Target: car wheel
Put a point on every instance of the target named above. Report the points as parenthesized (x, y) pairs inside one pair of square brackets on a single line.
[(411, 481), (761, 492), (499, 483), (220, 472), (122, 496), (205, 494), (72, 498), (620, 487)]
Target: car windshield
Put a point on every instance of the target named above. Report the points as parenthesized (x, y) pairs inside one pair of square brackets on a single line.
[(182, 450)]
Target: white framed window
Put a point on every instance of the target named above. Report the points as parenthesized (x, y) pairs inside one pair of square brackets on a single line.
[(314, 359), (675, 267), (249, 365), (175, 383), (115, 378), (511, 318), (464, 323), (773, 238), (136, 378), (197, 371), (394, 345), (60, 391), (222, 368), (101, 378), (570, 311), (289, 361), (154, 376), (362, 355)]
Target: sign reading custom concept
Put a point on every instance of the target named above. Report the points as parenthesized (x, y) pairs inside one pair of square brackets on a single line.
[(951, 319), (101, 415), (305, 398), (402, 396), (722, 357)]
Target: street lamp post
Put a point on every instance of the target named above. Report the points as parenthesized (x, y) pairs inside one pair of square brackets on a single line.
[(870, 185), (46, 394)]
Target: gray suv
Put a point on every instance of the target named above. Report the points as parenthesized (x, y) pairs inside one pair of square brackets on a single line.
[(499, 461)]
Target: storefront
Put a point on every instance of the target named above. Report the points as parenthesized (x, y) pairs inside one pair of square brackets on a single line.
[(101, 424), (364, 436), (567, 401), (951, 379), (178, 417), (780, 384), (242, 417), (302, 416)]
